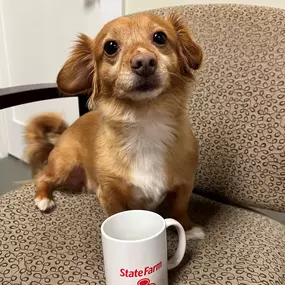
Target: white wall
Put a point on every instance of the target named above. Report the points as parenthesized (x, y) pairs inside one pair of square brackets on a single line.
[(33, 48), (4, 82), (132, 6)]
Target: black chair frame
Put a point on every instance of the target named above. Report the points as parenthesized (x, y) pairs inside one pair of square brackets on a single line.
[(18, 95)]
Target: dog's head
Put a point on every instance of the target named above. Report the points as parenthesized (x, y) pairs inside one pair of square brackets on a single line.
[(135, 58)]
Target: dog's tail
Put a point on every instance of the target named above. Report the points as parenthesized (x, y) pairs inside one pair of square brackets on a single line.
[(41, 135)]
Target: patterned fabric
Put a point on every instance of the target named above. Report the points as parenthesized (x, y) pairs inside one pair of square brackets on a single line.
[(238, 109), (64, 246), (238, 113)]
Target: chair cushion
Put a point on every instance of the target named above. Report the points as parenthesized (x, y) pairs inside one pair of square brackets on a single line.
[(237, 109), (64, 246)]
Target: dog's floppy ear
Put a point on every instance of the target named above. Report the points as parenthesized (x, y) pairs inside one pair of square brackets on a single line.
[(190, 53), (76, 76)]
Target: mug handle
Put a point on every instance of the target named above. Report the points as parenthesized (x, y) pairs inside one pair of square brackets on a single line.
[(179, 254)]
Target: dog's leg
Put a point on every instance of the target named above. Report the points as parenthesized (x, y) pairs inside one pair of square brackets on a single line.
[(55, 173), (43, 198), (179, 211), (113, 198)]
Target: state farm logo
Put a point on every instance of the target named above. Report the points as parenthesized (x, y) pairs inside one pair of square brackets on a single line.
[(141, 272), (145, 281)]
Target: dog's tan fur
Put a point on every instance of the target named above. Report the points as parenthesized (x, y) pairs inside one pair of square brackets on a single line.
[(101, 151)]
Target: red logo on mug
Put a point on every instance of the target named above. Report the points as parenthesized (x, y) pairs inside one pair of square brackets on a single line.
[(145, 281)]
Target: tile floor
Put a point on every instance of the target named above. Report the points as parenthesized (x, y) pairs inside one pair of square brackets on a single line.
[(12, 171)]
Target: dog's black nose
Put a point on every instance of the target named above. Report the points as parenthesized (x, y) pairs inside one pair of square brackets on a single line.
[(144, 64)]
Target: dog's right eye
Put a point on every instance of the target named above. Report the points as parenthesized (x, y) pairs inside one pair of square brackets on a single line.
[(111, 47), (159, 38)]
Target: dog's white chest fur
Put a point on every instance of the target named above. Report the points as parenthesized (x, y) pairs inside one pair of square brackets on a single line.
[(148, 142)]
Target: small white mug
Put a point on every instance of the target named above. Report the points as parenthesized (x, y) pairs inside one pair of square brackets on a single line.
[(135, 248)]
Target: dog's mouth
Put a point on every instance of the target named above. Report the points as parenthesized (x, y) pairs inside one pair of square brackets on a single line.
[(146, 87), (147, 84), (138, 87)]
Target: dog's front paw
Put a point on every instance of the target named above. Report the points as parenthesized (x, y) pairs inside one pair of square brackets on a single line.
[(195, 233), (44, 204)]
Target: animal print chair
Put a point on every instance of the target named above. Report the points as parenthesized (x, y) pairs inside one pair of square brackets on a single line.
[(238, 114)]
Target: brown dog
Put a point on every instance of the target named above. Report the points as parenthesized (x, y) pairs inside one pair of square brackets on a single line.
[(137, 146)]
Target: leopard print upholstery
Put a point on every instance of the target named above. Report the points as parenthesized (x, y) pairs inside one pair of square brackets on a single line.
[(64, 247), (238, 108)]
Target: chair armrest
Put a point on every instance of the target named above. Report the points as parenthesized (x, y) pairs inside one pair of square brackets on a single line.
[(18, 95)]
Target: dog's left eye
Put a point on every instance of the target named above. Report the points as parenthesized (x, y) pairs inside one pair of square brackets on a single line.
[(159, 38), (111, 47)]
